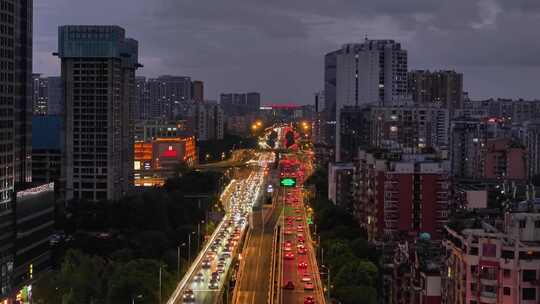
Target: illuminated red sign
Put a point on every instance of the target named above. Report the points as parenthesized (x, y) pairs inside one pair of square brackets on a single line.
[(170, 152)]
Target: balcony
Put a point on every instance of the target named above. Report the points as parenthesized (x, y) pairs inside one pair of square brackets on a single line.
[(488, 297)]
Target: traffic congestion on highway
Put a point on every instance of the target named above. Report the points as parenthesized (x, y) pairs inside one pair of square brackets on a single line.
[(300, 279), (207, 276)]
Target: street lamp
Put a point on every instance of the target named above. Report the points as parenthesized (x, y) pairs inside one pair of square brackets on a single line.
[(328, 279), (136, 297), (178, 256)]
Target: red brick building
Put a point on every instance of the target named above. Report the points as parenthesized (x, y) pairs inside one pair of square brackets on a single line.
[(400, 194)]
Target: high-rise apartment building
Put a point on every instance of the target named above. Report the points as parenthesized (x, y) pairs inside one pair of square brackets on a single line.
[(47, 95), (197, 90), (143, 107), (403, 194), (529, 135), (443, 89), (55, 96), (209, 121), (374, 71), (468, 142), (15, 123), (511, 110), (410, 127), (40, 95), (98, 69), (21, 54), (505, 158), (355, 126), (240, 103), (167, 94)]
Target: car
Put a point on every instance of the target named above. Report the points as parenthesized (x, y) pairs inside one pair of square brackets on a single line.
[(220, 268), (188, 296), (288, 231), (298, 219), (287, 246), (289, 256), (213, 284), (199, 277), (302, 265), (308, 286), (215, 275), (289, 285), (301, 239), (206, 263), (302, 250), (226, 255), (309, 300), (306, 278)]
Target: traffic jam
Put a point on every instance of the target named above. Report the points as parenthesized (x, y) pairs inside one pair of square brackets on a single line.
[(297, 275), (209, 274)]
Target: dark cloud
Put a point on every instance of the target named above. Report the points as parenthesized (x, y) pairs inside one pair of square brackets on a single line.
[(277, 46)]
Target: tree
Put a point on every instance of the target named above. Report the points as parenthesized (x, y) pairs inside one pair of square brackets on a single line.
[(357, 272), (46, 290), (81, 278), (357, 294), (139, 278)]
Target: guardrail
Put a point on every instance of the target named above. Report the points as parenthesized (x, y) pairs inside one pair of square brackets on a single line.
[(187, 276), (242, 265), (272, 284)]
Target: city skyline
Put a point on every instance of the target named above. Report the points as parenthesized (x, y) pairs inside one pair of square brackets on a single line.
[(225, 49)]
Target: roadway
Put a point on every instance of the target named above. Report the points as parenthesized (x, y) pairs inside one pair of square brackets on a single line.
[(300, 276), (256, 266), (206, 279)]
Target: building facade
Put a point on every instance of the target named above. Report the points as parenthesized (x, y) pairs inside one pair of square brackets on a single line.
[(529, 135), (355, 126), (197, 91), (40, 95), (505, 159), (98, 69), (374, 71), (410, 128), (468, 141), (400, 194), (157, 159), (340, 176), (240, 103), (487, 264), (167, 94), (20, 52), (443, 89), (47, 148), (15, 124), (47, 95), (34, 223), (207, 121)]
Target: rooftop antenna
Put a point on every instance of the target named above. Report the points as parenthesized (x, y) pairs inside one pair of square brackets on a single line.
[(365, 37)]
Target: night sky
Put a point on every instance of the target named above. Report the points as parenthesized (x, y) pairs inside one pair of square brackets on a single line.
[(277, 46)]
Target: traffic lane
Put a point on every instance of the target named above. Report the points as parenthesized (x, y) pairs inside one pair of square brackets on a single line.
[(291, 266), (250, 188)]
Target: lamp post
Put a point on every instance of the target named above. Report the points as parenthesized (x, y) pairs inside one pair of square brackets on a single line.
[(178, 253), (328, 280), (189, 248), (136, 297)]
